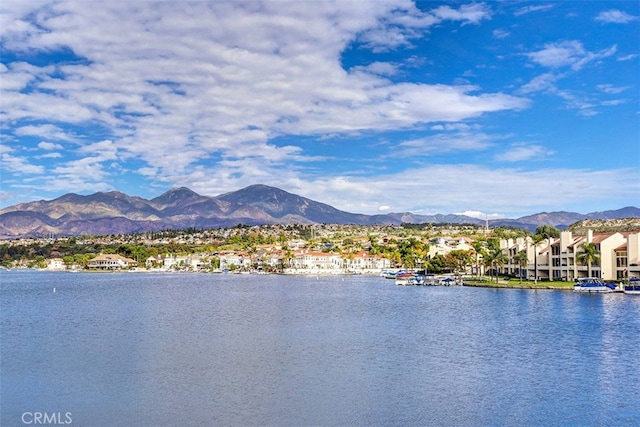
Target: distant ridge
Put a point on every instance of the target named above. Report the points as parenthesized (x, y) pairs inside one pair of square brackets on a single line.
[(117, 213)]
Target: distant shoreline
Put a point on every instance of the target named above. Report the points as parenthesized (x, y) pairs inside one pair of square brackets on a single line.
[(469, 283)]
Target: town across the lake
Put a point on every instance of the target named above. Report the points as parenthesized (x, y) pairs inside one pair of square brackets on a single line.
[(547, 255)]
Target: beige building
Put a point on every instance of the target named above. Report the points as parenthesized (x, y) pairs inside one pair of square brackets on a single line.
[(559, 259)]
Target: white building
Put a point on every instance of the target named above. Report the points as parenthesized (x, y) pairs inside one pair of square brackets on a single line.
[(111, 262), (56, 264)]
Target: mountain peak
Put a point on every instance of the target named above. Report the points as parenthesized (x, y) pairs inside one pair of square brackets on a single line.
[(177, 196)]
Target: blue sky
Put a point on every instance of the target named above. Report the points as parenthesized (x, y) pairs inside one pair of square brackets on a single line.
[(499, 108)]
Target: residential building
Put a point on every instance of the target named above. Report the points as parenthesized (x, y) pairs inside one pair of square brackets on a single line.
[(111, 262), (363, 261), (310, 260), (55, 264), (558, 259)]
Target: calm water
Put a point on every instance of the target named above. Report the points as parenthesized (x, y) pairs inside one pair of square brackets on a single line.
[(197, 349)]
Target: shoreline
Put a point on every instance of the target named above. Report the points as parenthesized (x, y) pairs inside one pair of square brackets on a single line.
[(568, 287), (303, 272)]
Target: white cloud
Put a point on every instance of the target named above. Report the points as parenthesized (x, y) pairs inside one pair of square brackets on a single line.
[(559, 54), (187, 90), (612, 89), (524, 152), (459, 187), (406, 21), (194, 93), (49, 146), (481, 215), (19, 165), (469, 14), (500, 34), (50, 156), (47, 131), (614, 102), (530, 9), (628, 57), (542, 83), (379, 68), (443, 143), (568, 53), (615, 16)]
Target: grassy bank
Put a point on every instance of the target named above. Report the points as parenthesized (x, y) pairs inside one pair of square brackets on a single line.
[(486, 282)]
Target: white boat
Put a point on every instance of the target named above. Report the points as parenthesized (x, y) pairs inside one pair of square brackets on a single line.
[(593, 284), (405, 279), (633, 287)]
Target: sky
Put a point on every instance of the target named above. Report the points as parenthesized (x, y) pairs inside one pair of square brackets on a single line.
[(500, 108)]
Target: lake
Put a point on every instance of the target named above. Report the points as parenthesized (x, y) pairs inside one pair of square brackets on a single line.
[(144, 349)]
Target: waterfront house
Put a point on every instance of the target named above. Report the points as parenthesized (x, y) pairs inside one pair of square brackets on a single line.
[(55, 264), (111, 262), (364, 262), (313, 261)]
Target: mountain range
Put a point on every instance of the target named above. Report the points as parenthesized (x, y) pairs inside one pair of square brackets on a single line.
[(116, 213)]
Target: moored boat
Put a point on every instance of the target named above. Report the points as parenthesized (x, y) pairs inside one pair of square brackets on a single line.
[(593, 284), (633, 287), (405, 279)]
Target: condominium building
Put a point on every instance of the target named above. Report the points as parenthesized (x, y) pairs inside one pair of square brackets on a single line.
[(559, 258)]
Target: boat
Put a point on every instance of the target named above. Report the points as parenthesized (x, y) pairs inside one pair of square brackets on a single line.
[(593, 284), (405, 279), (633, 287)]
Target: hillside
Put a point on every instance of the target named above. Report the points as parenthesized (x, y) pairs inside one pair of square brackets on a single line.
[(116, 213)]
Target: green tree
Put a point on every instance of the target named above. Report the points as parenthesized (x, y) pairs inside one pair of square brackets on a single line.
[(436, 265), (479, 247), (458, 260), (548, 231), (536, 239), (590, 254), (495, 258), (521, 258)]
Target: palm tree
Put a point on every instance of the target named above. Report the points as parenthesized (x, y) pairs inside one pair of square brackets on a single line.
[(590, 254), (495, 258), (479, 249), (287, 259), (521, 258), (537, 239)]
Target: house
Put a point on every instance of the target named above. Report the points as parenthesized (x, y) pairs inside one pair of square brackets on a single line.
[(363, 261), (231, 260), (55, 264), (111, 262), (317, 261)]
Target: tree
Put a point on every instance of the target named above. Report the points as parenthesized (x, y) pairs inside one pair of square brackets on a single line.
[(479, 247), (521, 258), (436, 264), (495, 258), (536, 240), (287, 259), (459, 260), (547, 231), (590, 254)]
